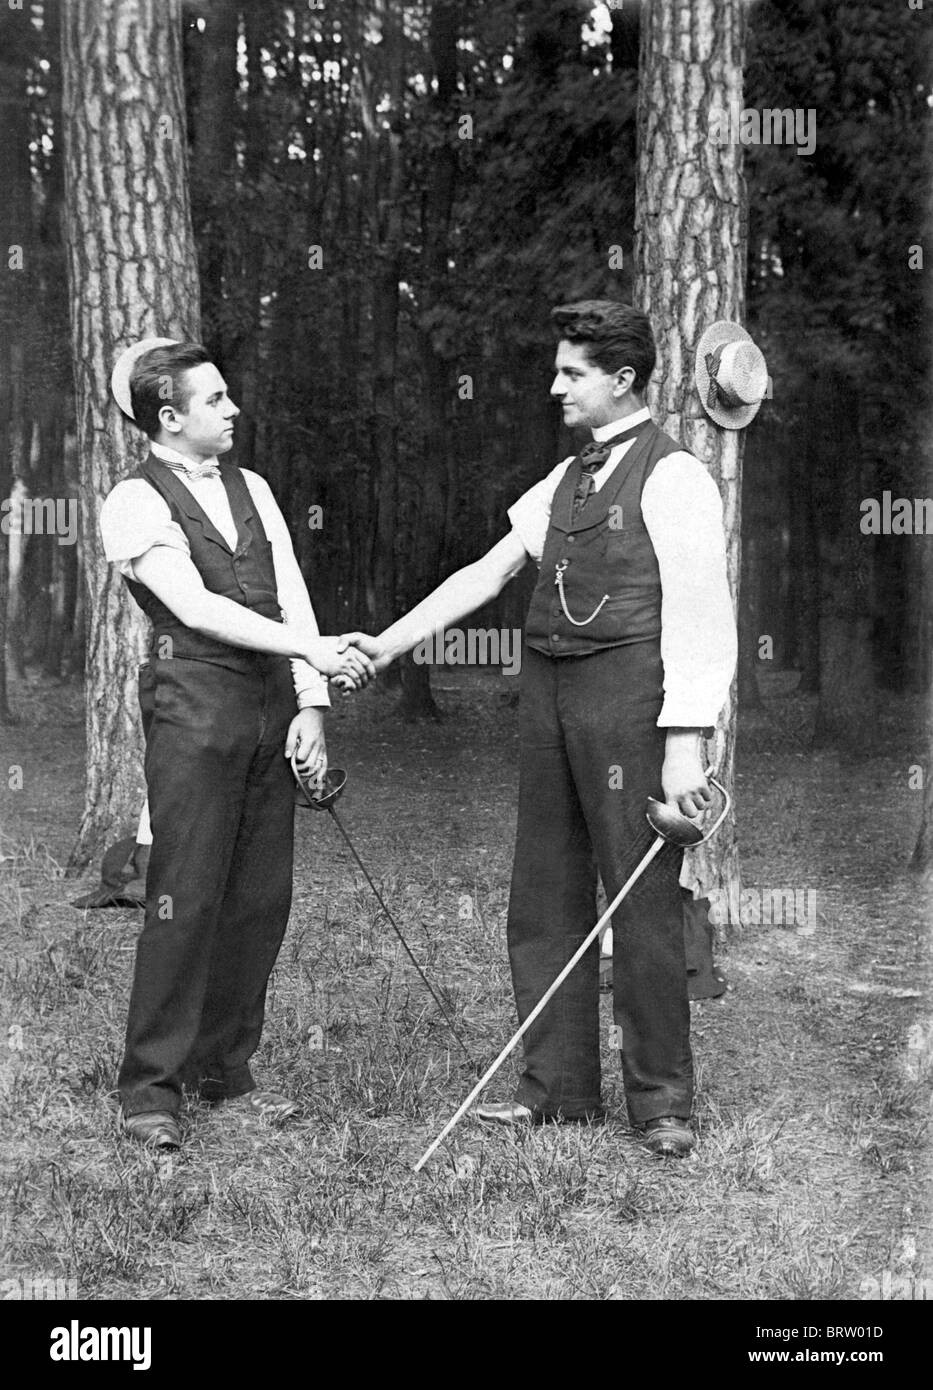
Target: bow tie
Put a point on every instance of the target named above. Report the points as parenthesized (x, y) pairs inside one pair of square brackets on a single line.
[(592, 457), (198, 470), (594, 454)]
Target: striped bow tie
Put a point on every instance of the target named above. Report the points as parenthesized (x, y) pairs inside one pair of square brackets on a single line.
[(198, 470)]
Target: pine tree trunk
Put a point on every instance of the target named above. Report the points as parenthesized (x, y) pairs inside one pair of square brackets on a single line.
[(131, 273), (690, 251)]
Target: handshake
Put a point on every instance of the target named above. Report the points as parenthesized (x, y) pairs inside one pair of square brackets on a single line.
[(351, 661)]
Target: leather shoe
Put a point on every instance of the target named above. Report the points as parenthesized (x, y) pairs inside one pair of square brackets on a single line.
[(156, 1129), (507, 1112), (272, 1105), (669, 1136)]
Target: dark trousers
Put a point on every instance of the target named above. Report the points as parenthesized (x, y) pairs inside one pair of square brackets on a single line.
[(218, 890), (591, 753)]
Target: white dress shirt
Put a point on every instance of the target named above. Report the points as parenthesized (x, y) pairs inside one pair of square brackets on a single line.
[(135, 517), (683, 514)]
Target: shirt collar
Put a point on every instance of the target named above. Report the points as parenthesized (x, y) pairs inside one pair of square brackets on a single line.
[(602, 432), (167, 455)]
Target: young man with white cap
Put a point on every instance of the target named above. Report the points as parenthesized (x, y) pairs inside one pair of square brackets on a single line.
[(630, 650), (235, 684)]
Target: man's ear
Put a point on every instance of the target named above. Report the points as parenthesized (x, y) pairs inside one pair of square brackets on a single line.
[(624, 378), (169, 420)]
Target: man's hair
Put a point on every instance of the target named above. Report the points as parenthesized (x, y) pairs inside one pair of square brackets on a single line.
[(615, 336), (158, 378)]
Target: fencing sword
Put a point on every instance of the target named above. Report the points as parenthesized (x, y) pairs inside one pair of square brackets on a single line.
[(335, 779), (670, 827)]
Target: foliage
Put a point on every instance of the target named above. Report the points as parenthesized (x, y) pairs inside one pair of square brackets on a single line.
[(333, 136)]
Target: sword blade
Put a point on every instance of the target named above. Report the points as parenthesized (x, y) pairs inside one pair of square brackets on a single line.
[(398, 932)]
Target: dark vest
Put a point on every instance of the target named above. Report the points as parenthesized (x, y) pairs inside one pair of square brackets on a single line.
[(606, 549), (245, 575)]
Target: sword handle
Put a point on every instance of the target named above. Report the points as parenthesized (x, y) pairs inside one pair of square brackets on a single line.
[(726, 807)]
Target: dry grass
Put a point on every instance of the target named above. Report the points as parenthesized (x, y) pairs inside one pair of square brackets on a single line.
[(812, 1129)]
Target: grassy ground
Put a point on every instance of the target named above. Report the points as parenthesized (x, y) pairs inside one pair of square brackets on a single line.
[(809, 1177)]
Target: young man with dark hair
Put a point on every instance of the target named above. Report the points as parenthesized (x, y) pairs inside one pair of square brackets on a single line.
[(207, 555), (160, 376), (611, 333), (630, 649)]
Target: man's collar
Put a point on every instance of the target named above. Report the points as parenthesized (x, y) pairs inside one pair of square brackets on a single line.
[(167, 455), (625, 422)]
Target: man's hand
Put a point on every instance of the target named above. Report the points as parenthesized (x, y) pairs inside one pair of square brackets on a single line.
[(372, 647), (335, 657), (682, 777), (306, 740)]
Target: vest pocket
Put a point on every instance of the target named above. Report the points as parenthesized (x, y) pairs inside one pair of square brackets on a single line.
[(618, 540)]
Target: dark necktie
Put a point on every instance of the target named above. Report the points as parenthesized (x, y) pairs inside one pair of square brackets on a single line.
[(592, 457)]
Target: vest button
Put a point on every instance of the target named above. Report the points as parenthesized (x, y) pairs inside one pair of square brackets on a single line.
[(555, 636), (570, 540)]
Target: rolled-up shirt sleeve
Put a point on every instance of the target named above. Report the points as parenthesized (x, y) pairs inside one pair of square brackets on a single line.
[(133, 519), (531, 514), (294, 599), (682, 510)]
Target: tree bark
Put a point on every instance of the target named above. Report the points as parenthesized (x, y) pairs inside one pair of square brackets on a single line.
[(690, 253), (132, 273)]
